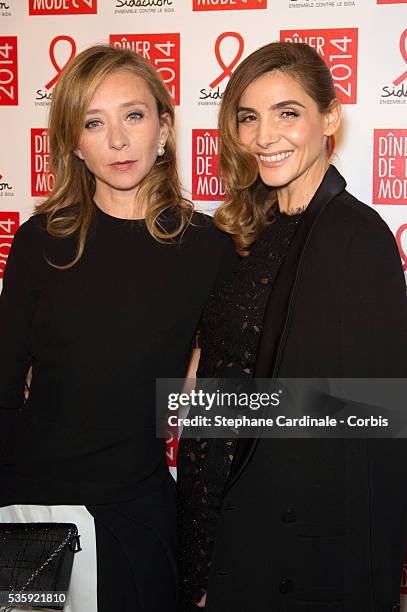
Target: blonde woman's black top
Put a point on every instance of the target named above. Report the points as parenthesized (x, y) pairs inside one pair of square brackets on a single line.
[(97, 335)]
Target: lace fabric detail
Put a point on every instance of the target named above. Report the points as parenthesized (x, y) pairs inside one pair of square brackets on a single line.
[(233, 318), (230, 333)]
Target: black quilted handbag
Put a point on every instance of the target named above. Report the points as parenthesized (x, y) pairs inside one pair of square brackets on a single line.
[(37, 557)]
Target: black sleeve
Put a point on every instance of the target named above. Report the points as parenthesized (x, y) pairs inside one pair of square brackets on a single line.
[(228, 263), (17, 304), (375, 332), (202, 471), (375, 306)]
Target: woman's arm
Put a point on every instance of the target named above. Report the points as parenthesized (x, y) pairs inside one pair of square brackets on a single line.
[(374, 306), (375, 346), (193, 363), (17, 303)]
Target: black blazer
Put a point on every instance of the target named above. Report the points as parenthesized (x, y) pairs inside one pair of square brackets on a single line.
[(319, 525)]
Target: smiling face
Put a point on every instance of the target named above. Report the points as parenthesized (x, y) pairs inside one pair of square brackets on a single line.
[(282, 126), (121, 136)]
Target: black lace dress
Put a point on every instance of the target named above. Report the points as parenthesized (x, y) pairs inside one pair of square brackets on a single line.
[(231, 328)]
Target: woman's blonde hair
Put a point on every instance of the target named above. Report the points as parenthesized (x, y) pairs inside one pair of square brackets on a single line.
[(246, 210), (70, 207)]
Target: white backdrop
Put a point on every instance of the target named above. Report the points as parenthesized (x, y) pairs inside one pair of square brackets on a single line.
[(196, 44)]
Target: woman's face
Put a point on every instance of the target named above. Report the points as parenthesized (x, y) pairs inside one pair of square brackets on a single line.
[(283, 128), (121, 134)]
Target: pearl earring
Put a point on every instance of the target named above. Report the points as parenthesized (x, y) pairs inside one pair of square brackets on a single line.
[(161, 148)]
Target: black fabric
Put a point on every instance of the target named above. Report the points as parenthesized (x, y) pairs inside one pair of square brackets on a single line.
[(97, 336), (231, 323), (337, 309), (279, 309), (136, 553), (233, 317)]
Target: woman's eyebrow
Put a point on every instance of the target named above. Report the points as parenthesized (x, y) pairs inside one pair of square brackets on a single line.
[(92, 111), (245, 109), (287, 103), (276, 106)]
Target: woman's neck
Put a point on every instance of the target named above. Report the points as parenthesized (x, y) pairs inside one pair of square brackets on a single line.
[(120, 205), (296, 196)]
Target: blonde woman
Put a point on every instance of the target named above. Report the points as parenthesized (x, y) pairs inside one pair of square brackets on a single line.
[(102, 294)]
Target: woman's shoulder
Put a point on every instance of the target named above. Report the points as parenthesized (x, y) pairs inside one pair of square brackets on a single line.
[(34, 225), (31, 232), (200, 220), (37, 247), (360, 228), (203, 229), (350, 209), (348, 214), (212, 248)]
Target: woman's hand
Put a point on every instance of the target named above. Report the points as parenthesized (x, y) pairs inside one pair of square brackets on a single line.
[(202, 602), (193, 363), (28, 384)]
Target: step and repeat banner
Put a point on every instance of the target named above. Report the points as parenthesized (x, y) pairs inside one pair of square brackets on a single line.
[(195, 45)]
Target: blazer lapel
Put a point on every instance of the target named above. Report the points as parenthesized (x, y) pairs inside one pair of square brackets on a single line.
[(280, 306)]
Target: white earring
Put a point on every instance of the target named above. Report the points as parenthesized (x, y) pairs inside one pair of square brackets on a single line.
[(161, 148)]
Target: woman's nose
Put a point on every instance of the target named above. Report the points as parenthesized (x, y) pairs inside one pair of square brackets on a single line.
[(267, 133), (117, 137)]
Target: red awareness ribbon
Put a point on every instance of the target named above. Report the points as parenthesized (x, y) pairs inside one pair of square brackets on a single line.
[(403, 51), (227, 69), (54, 62)]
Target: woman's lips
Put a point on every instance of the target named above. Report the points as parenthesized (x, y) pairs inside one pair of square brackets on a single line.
[(274, 160), (124, 165)]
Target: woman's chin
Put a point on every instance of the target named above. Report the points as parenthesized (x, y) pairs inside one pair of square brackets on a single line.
[(274, 181)]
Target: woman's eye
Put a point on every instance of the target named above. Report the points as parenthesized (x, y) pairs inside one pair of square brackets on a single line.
[(135, 115), (246, 118), (289, 113), (92, 124)]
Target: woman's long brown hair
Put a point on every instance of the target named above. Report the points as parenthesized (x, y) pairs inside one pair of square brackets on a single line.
[(246, 209)]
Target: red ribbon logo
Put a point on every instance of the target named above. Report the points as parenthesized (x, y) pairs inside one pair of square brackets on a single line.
[(403, 51), (227, 68), (54, 62), (403, 254)]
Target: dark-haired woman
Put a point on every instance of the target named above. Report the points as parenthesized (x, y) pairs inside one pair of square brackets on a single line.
[(103, 290), (307, 525)]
